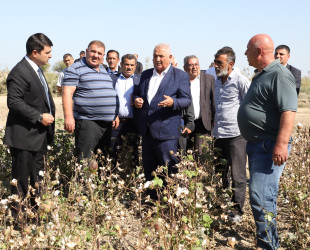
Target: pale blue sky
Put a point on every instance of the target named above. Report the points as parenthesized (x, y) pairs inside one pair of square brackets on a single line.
[(197, 27)]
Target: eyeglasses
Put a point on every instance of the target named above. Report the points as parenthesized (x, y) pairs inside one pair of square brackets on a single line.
[(192, 65)]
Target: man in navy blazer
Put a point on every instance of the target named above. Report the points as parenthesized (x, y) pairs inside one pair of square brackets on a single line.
[(124, 84), (282, 52), (159, 99)]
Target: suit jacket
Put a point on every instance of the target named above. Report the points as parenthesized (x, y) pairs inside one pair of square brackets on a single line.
[(207, 104), (139, 68), (297, 74), (26, 101), (164, 123)]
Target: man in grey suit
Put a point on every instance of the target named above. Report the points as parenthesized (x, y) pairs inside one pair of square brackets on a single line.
[(198, 118), (30, 122), (282, 52)]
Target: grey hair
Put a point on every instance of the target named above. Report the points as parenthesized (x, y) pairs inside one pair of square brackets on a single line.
[(231, 57), (187, 58)]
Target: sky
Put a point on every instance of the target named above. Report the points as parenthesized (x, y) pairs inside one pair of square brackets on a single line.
[(190, 27)]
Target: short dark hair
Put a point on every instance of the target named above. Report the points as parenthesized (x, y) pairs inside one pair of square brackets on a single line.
[(113, 51), (129, 57), (82, 52), (96, 42), (287, 48), (66, 55), (37, 42), (187, 58), (231, 57)]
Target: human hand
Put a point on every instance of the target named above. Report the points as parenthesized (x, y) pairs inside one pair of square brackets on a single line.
[(115, 123), (69, 124), (139, 102), (280, 154), (47, 119), (168, 102), (186, 131)]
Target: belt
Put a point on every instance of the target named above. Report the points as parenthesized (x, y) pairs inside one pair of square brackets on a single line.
[(125, 120)]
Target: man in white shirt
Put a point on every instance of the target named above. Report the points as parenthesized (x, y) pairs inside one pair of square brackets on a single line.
[(202, 91), (68, 61), (124, 85), (159, 99)]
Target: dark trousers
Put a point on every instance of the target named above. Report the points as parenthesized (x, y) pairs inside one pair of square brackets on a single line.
[(27, 164), (198, 136), (128, 130), (158, 153), (233, 150), (90, 136)]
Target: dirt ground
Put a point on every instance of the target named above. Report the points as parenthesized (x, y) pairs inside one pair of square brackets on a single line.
[(302, 116)]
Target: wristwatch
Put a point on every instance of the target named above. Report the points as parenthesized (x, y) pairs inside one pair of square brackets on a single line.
[(40, 118)]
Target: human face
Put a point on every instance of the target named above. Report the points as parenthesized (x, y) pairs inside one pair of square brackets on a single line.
[(112, 60), (161, 59), (94, 56), (68, 61), (252, 54), (222, 67), (192, 68), (283, 55), (128, 67), (43, 57)]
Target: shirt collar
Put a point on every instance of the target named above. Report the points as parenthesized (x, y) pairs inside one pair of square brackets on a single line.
[(124, 78), (32, 64), (162, 73)]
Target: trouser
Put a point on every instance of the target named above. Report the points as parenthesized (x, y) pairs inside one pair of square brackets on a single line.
[(128, 130), (27, 164), (90, 136), (233, 150), (199, 135), (263, 191)]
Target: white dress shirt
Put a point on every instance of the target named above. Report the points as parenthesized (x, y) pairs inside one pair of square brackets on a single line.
[(124, 89), (195, 91), (155, 82)]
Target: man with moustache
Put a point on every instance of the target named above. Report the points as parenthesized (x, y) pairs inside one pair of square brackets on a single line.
[(282, 52), (30, 123), (90, 102), (230, 90), (159, 99), (124, 84), (266, 120), (202, 91)]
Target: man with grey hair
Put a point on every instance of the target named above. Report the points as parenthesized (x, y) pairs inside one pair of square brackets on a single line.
[(159, 99), (198, 118), (230, 90), (124, 84)]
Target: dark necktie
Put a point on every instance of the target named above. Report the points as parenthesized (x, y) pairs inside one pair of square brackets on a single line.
[(45, 87)]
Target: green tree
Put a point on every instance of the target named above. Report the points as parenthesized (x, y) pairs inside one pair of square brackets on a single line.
[(45, 67), (59, 66)]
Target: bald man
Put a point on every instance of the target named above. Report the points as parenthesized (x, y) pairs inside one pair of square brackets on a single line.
[(266, 119), (159, 99)]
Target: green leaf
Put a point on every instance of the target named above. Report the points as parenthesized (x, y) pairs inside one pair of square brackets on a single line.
[(88, 236), (184, 219), (158, 182)]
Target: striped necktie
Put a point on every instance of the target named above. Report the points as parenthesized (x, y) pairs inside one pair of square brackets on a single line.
[(40, 73)]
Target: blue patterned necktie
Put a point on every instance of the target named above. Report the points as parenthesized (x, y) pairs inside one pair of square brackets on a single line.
[(45, 87)]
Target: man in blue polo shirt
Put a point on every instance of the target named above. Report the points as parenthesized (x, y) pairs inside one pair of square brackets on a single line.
[(90, 102)]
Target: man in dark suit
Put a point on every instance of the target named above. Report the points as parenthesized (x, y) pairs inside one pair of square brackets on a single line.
[(159, 99), (282, 52), (124, 84), (202, 110), (139, 67), (30, 122), (113, 60)]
